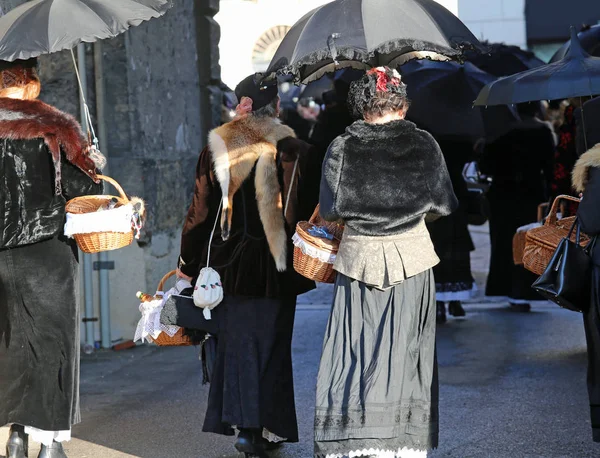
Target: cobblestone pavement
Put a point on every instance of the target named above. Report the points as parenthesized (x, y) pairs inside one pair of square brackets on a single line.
[(512, 386)]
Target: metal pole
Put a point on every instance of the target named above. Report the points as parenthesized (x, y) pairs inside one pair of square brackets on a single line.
[(102, 257), (88, 279)]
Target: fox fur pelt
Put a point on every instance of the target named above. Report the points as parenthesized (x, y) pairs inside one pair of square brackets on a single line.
[(236, 148), (31, 119)]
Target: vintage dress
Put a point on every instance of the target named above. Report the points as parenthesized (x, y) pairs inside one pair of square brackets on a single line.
[(520, 164), (252, 385), (377, 389), (586, 179), (39, 288)]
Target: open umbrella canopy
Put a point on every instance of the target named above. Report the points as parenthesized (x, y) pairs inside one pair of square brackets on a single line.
[(577, 75), (368, 33), (589, 40), (441, 95), (46, 26), (503, 60)]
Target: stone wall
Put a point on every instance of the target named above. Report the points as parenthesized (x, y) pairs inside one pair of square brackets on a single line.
[(161, 97)]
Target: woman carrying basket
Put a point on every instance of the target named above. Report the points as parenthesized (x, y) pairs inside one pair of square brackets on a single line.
[(254, 181), (377, 389), (44, 161)]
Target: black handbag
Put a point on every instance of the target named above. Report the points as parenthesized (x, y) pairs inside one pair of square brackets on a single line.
[(567, 279), (478, 206)]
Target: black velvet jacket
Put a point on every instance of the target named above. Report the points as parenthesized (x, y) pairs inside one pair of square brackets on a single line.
[(381, 179), (30, 210)]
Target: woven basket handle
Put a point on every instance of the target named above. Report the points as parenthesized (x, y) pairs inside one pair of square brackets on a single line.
[(553, 214), (116, 185), (315, 214), (161, 284)]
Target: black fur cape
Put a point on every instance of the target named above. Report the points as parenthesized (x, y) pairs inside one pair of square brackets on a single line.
[(383, 179)]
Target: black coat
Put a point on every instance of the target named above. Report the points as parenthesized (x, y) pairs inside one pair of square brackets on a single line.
[(381, 179), (586, 179), (39, 310)]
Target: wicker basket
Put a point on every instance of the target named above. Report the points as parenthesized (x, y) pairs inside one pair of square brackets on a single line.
[(308, 266), (541, 243), (100, 241), (518, 243), (163, 340)]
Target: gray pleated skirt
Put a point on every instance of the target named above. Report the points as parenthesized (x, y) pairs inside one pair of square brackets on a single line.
[(377, 386)]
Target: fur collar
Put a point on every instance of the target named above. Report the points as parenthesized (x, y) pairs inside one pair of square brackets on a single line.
[(238, 146), (31, 119), (365, 131), (580, 172)]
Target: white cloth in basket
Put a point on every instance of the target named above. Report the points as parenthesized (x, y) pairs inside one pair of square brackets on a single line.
[(115, 220), (312, 251), (150, 325)]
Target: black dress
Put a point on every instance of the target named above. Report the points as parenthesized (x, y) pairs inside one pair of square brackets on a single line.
[(252, 384), (450, 234), (520, 164)]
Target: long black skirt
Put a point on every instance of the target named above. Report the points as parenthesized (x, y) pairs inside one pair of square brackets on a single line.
[(252, 384), (377, 387), (39, 336)]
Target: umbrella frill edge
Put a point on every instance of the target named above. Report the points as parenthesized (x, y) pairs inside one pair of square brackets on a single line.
[(371, 58)]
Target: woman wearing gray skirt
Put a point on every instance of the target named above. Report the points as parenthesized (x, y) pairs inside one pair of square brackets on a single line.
[(377, 390)]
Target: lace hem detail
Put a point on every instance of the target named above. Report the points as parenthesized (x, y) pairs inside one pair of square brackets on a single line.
[(372, 453), (313, 252), (379, 453)]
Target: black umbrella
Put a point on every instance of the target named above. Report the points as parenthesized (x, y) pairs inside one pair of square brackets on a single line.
[(504, 60), (577, 75), (368, 33), (441, 95), (590, 42), (46, 26)]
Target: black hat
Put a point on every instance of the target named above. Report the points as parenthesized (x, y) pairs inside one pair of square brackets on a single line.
[(261, 91)]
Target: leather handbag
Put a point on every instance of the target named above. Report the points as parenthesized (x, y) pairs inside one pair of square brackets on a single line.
[(567, 279)]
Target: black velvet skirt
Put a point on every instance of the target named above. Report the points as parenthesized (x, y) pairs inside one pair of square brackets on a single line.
[(39, 335), (252, 384)]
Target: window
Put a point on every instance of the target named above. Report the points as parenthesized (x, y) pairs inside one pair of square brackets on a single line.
[(266, 46)]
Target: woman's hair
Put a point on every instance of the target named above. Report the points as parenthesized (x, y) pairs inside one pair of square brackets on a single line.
[(380, 92), (21, 77)]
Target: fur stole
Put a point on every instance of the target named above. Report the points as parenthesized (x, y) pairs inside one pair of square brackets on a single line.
[(580, 172), (238, 146), (33, 119)]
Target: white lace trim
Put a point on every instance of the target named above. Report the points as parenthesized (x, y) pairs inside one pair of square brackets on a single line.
[(116, 220), (378, 453), (312, 251), (47, 437), (150, 325), (269, 436)]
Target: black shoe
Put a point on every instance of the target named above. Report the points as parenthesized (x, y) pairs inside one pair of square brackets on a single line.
[(52, 451), (440, 316), (455, 308), (521, 308), (18, 442), (249, 442)]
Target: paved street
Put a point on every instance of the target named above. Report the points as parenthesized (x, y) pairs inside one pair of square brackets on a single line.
[(512, 385)]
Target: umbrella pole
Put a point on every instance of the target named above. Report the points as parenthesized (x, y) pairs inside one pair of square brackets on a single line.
[(585, 142)]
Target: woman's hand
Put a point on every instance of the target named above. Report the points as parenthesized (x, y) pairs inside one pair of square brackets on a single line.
[(183, 276)]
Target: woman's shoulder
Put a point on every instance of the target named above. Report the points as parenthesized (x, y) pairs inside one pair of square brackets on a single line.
[(581, 171)]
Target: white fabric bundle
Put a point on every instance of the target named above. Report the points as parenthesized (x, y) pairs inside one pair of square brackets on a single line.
[(312, 251), (115, 220), (149, 325)]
